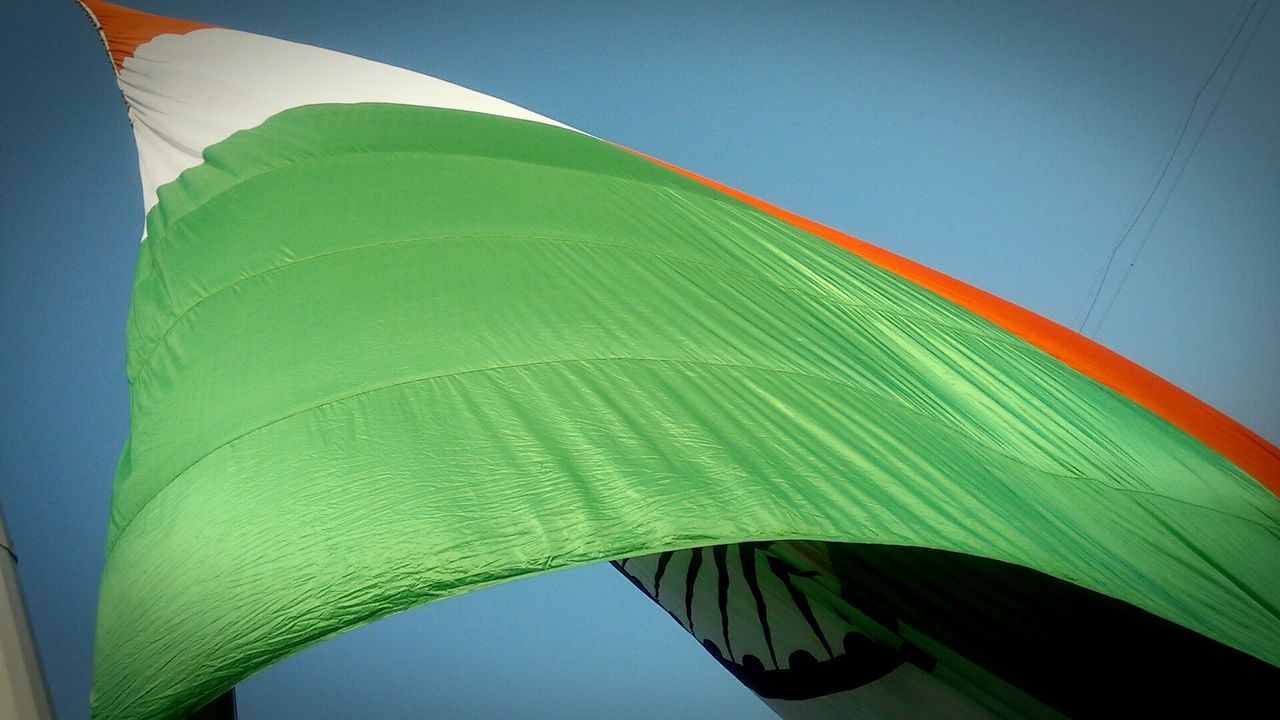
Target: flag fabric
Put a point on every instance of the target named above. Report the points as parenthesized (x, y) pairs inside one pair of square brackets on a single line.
[(392, 339)]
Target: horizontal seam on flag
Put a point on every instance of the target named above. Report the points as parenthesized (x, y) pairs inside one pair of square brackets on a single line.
[(668, 179), (1217, 568), (702, 363), (1000, 337)]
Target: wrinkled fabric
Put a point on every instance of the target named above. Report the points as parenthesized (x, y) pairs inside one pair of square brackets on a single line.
[(381, 354)]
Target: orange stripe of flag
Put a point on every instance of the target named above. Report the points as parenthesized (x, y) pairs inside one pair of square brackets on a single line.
[(124, 29)]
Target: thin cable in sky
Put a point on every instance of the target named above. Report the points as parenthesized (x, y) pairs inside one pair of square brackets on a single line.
[(1182, 132), (1102, 317)]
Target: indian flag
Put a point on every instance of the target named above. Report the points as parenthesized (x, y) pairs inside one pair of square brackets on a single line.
[(392, 339)]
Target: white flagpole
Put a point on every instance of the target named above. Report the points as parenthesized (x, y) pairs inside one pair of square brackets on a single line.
[(23, 693)]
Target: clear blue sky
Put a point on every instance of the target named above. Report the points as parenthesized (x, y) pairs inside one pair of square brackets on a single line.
[(1007, 144)]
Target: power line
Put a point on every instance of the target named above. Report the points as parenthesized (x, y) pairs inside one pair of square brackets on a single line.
[(1187, 161), (1182, 132)]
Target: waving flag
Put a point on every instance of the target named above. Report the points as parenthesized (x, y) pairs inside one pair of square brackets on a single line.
[(392, 340)]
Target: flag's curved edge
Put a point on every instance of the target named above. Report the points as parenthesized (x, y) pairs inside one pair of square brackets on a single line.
[(192, 702), (1243, 447)]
